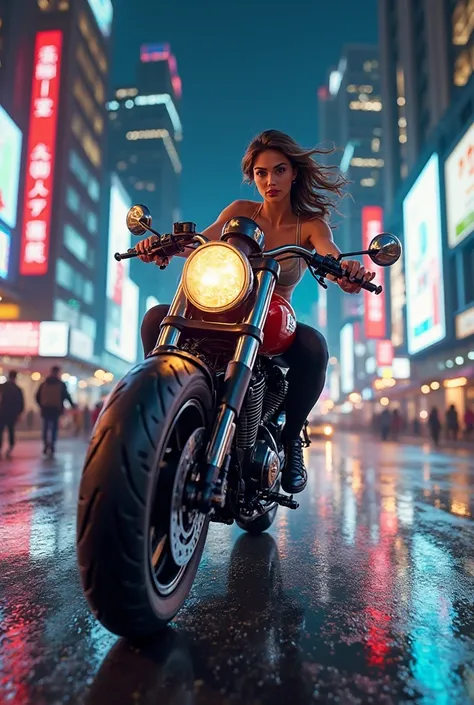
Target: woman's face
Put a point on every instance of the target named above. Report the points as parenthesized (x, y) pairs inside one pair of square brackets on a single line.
[(273, 175)]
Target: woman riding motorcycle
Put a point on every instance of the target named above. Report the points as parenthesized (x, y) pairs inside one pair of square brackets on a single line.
[(294, 211)]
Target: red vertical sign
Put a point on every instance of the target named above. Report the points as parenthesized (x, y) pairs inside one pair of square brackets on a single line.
[(384, 353), (374, 306), (41, 154)]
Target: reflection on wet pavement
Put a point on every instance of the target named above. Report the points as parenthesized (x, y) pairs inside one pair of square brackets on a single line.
[(364, 594)]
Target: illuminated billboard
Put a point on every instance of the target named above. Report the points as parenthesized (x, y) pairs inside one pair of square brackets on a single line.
[(103, 12), (426, 321), (121, 327), (33, 338), (41, 154), (10, 159), (347, 358), (5, 239), (374, 306), (459, 176)]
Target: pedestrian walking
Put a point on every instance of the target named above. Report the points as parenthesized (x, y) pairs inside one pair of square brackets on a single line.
[(434, 425), (50, 397), (468, 423), (12, 404), (385, 424), (396, 424), (452, 423)]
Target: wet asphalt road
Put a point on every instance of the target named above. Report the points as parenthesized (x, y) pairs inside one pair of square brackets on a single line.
[(363, 595)]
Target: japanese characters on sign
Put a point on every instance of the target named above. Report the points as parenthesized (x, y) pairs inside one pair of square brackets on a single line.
[(41, 154), (374, 306)]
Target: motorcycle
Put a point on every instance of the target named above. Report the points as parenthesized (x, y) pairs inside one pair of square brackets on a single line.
[(193, 433)]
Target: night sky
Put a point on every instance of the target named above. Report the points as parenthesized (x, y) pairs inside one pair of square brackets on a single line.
[(246, 66)]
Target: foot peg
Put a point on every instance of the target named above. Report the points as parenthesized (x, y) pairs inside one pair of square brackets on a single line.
[(281, 499)]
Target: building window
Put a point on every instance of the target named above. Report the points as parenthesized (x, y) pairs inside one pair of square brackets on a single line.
[(73, 200), (367, 162), (88, 292), (126, 93), (89, 145), (84, 176), (53, 5), (64, 274), (76, 244), (88, 325), (78, 285), (87, 104), (92, 222), (463, 67), (64, 312), (375, 144), (369, 105), (463, 22), (91, 74), (92, 43)]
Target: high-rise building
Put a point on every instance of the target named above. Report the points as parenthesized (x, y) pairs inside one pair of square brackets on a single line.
[(56, 75), (145, 132), (145, 136), (427, 63), (350, 109), (427, 57)]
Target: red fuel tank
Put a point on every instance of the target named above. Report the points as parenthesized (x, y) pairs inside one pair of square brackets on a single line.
[(280, 328)]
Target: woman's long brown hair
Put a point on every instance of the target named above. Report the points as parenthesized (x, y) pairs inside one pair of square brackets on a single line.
[(309, 197)]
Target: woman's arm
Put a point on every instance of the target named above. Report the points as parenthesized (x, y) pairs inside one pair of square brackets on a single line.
[(213, 232), (321, 239)]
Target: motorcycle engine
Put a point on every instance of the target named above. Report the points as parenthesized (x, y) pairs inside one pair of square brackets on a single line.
[(265, 465)]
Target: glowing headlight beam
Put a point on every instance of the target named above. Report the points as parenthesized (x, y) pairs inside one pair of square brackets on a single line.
[(217, 277)]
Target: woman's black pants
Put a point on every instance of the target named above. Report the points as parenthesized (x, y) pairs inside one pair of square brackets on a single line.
[(307, 359)]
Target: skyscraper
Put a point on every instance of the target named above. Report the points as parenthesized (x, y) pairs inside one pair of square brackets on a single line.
[(427, 63), (427, 57), (145, 132), (145, 136), (350, 108), (56, 74)]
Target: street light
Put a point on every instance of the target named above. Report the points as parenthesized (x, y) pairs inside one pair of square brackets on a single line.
[(425, 389), (385, 401)]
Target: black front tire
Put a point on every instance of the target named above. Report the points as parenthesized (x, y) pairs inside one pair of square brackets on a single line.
[(118, 489)]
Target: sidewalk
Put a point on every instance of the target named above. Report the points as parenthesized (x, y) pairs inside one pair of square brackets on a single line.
[(36, 434), (410, 439)]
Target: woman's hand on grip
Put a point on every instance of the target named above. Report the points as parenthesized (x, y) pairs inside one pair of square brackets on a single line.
[(143, 246), (354, 270)]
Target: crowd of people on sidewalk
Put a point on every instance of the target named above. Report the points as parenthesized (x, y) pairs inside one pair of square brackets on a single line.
[(51, 397), (390, 424)]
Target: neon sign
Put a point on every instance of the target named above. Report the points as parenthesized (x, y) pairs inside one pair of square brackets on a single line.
[(374, 306), (39, 181), (162, 52)]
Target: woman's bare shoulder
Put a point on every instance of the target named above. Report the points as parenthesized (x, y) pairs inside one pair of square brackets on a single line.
[(241, 207)]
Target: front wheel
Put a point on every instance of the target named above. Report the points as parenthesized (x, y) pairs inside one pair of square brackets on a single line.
[(138, 545)]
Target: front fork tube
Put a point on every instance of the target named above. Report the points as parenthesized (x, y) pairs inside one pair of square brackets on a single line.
[(212, 488), (169, 335)]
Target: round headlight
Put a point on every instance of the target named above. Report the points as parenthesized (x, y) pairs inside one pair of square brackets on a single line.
[(217, 277)]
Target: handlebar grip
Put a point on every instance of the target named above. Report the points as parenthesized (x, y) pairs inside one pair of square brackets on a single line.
[(373, 288), (126, 255), (368, 286)]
